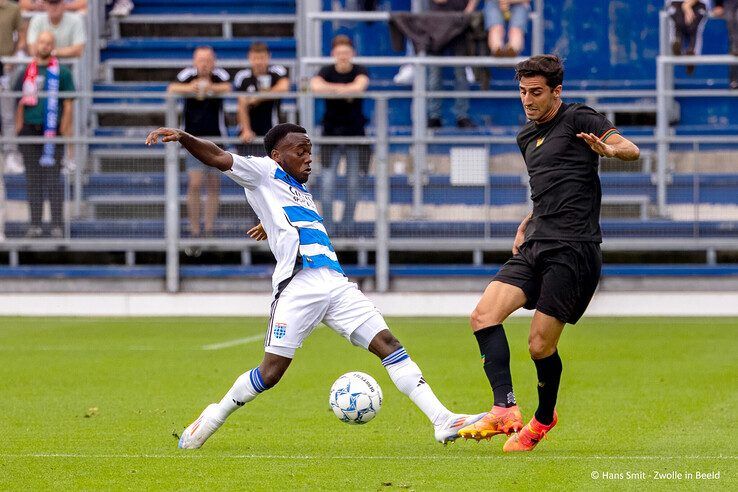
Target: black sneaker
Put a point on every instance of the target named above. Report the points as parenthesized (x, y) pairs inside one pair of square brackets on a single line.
[(434, 122), (465, 123), (57, 232)]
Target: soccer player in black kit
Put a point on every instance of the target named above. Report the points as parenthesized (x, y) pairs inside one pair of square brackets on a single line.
[(556, 259)]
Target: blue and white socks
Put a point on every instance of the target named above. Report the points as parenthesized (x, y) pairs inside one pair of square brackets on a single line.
[(409, 380), (246, 388)]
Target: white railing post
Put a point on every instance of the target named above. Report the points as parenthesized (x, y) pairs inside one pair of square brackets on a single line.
[(382, 194), (171, 183)]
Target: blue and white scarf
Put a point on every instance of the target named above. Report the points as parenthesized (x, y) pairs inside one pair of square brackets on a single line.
[(30, 98)]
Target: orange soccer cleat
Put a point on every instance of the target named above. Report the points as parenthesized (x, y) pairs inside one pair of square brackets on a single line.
[(529, 436), (499, 420)]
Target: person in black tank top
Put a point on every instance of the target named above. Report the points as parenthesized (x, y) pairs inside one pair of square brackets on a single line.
[(202, 85), (556, 262)]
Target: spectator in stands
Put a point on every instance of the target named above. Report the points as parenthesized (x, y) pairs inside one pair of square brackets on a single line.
[(44, 116), (203, 117), (69, 5), (257, 116), (729, 10), (435, 73), (688, 18), (12, 41), (342, 117), (11, 38), (68, 29), (496, 14)]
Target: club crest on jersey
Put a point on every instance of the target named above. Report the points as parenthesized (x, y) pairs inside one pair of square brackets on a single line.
[(280, 330), (539, 142)]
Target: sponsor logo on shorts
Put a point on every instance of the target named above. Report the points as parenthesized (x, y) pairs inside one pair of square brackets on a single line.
[(280, 330)]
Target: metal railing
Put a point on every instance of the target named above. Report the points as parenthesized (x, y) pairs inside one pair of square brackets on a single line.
[(387, 212), (668, 177)]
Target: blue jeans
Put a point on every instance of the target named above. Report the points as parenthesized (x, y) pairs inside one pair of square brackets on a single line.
[(435, 82), (331, 157)]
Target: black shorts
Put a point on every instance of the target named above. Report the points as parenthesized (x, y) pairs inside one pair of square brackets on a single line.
[(558, 278)]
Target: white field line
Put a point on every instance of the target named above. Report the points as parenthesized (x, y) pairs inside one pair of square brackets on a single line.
[(540, 457), (233, 343), (133, 348)]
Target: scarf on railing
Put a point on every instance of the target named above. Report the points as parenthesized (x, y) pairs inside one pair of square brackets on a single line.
[(30, 98)]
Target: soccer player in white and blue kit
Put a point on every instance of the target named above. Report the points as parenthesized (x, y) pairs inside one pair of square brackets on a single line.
[(309, 284)]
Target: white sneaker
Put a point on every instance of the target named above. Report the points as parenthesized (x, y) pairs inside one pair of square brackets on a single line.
[(14, 163), (448, 431), (194, 436), (470, 77), (405, 76), (122, 8)]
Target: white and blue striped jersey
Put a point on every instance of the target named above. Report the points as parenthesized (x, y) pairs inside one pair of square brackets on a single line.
[(287, 211)]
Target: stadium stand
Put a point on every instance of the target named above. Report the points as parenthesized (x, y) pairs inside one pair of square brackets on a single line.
[(123, 187)]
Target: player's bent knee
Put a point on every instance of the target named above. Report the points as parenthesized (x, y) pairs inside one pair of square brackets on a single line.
[(540, 348), (482, 319)]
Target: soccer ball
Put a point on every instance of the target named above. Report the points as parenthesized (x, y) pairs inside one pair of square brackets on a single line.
[(355, 398)]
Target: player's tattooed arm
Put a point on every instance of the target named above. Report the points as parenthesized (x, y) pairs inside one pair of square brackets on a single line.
[(204, 150), (520, 234), (616, 146), (257, 232)]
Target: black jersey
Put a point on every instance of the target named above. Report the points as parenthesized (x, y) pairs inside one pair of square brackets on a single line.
[(343, 117), (264, 115), (204, 117), (565, 186)]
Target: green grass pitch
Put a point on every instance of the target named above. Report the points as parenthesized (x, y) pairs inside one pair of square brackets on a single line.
[(93, 403)]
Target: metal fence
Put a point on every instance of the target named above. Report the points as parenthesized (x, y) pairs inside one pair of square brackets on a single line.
[(392, 191), (467, 194)]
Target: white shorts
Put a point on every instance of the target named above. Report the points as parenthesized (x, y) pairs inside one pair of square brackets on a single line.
[(316, 295)]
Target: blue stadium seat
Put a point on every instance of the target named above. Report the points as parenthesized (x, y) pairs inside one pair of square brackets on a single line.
[(182, 48), (353, 271), (214, 7)]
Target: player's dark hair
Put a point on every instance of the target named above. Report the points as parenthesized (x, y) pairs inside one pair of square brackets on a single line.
[(549, 67), (277, 133), (258, 47)]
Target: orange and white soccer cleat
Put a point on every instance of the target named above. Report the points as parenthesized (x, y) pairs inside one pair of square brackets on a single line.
[(195, 435), (529, 436), (499, 420), (448, 430)]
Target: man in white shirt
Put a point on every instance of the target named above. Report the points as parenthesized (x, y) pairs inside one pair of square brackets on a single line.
[(68, 29), (308, 282)]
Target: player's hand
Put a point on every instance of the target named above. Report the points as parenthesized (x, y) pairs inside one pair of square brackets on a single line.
[(258, 233), (504, 5), (597, 145), (247, 135), (166, 135)]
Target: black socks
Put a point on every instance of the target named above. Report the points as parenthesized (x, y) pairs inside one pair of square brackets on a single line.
[(549, 375), (496, 358)]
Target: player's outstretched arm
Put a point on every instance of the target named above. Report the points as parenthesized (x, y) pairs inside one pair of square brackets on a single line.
[(617, 146), (204, 150)]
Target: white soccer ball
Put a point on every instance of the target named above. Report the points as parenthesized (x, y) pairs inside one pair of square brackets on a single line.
[(355, 398)]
